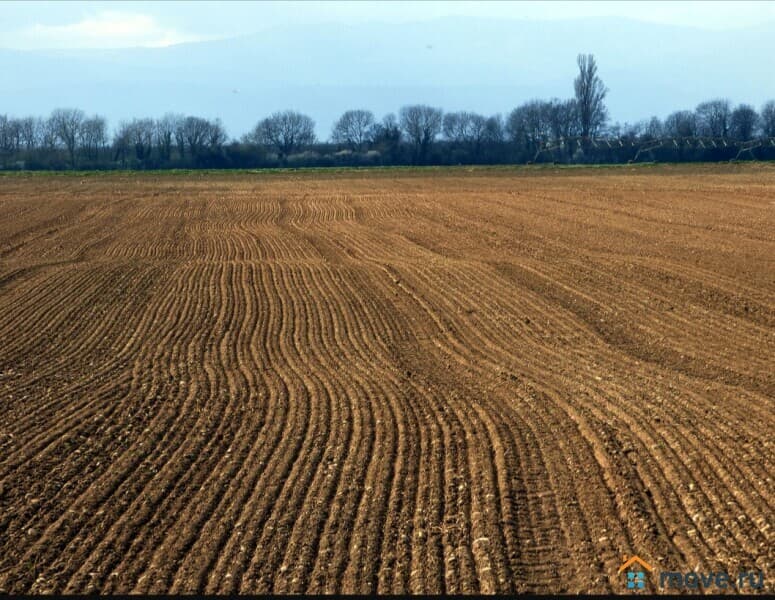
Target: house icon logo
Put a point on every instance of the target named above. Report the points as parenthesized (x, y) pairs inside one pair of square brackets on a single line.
[(635, 568)]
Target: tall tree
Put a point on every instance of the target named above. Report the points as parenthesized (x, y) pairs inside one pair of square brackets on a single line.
[(386, 138), (653, 129), (286, 131), (31, 131), (180, 135), (421, 124), (681, 123), (590, 96), (561, 118), (216, 135), (713, 117), (466, 130), (10, 134), (494, 129), (122, 141), (66, 125), (141, 133), (354, 128), (165, 133), (767, 119), (530, 124), (205, 139), (94, 135), (743, 121)]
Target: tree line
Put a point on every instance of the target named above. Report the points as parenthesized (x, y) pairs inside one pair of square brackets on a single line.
[(557, 130)]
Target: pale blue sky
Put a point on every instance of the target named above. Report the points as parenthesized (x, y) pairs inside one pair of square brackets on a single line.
[(488, 57), (33, 25)]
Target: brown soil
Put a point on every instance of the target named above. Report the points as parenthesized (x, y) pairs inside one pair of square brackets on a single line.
[(455, 381)]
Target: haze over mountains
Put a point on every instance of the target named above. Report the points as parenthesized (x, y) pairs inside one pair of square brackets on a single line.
[(455, 63)]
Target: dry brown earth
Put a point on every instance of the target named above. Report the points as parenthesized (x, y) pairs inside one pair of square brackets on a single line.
[(403, 381)]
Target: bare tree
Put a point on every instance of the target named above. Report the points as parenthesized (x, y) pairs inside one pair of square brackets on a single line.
[(653, 129), (15, 133), (494, 129), (713, 118), (196, 132), (389, 128), (165, 132), (464, 127), (467, 130), (286, 131), (421, 124), (386, 137), (681, 123), (562, 118), (180, 136), (94, 134), (66, 125), (216, 135), (136, 134), (614, 130), (590, 96), (743, 121), (141, 131), (530, 124), (48, 137), (122, 142), (10, 134), (632, 131), (767, 119), (31, 132), (455, 126), (3, 132), (354, 128)]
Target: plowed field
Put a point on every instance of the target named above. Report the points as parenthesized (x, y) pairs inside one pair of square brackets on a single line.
[(402, 381)]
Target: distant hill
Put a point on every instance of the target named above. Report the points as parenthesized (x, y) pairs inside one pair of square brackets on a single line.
[(456, 63)]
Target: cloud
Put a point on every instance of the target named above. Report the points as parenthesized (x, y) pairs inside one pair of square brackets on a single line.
[(103, 30)]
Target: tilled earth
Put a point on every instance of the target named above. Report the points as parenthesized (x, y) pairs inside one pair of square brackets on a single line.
[(465, 380)]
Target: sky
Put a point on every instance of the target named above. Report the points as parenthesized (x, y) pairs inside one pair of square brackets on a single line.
[(125, 59), (48, 25)]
